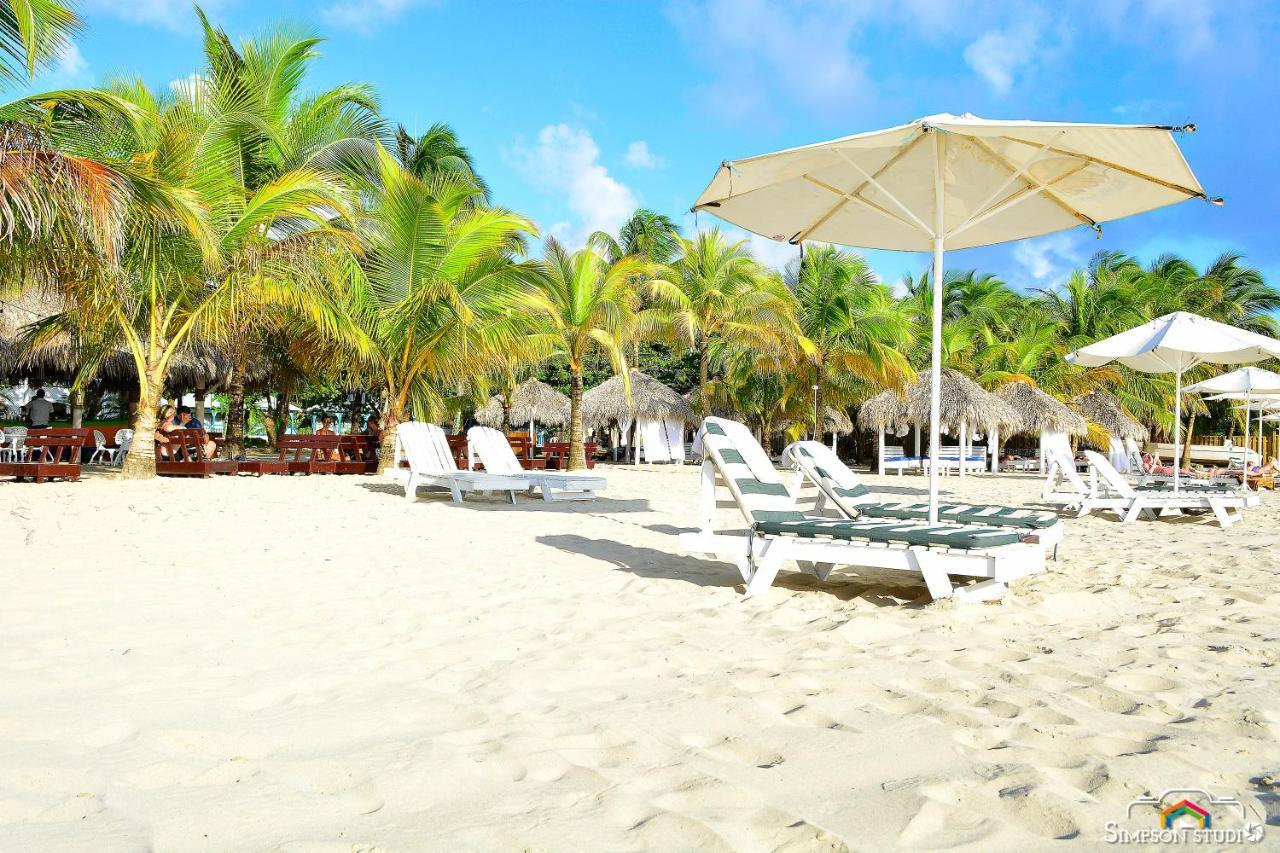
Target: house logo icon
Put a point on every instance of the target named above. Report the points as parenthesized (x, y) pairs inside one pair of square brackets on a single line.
[(1186, 816), (1171, 815)]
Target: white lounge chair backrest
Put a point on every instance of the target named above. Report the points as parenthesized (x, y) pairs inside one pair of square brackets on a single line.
[(750, 476), (1111, 478), (894, 451), (1061, 463), (426, 448), (832, 475), (493, 450)]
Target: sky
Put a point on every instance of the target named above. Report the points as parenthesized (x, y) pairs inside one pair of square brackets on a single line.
[(578, 112)]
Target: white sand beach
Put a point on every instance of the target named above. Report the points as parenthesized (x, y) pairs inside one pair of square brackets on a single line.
[(315, 664)]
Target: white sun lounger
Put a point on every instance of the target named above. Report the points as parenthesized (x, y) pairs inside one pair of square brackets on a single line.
[(1108, 489), (494, 452), (426, 449), (776, 531), (818, 464)]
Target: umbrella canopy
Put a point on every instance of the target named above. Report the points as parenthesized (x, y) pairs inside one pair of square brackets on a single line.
[(962, 401), (1039, 412), (1104, 410), (952, 182), (650, 400), (1175, 343), (533, 400), (1243, 382), (885, 412)]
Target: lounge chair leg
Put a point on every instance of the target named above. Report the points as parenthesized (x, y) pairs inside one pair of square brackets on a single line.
[(511, 495), (767, 566), (455, 493), (823, 570), (935, 577), (1135, 509), (411, 488)]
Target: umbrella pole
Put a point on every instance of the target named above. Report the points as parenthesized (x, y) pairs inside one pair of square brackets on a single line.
[(1177, 427), (1244, 477), (935, 357)]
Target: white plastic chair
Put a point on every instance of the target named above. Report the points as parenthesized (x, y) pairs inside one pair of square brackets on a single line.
[(101, 452), (124, 440), (13, 450)]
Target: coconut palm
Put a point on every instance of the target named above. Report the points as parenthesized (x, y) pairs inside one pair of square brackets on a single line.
[(646, 234), (715, 295), (274, 146), (32, 34), (589, 306), (435, 299), (436, 151), (854, 332)]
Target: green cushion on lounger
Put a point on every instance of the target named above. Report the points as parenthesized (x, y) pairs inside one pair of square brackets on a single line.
[(730, 455), (1225, 488), (748, 486), (1003, 516), (879, 531), (713, 429)]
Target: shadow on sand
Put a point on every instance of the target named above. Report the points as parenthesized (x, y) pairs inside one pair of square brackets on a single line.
[(882, 590), (524, 501)]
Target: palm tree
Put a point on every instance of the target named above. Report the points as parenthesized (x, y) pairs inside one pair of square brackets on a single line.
[(436, 298), (589, 306), (274, 147), (33, 33), (438, 151), (716, 295), (646, 234), (854, 332)]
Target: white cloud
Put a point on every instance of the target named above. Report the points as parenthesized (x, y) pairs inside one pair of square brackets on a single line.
[(170, 14), (639, 156), (365, 16), (565, 161), (762, 50), (997, 55), (1188, 25), (1045, 258)]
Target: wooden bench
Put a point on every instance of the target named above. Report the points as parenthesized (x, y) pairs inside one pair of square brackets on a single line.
[(357, 454), (187, 457), (49, 454), (557, 454), (312, 454)]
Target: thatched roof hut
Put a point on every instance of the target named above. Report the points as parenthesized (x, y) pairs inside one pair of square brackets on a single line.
[(1101, 408), (650, 400), (963, 401), (837, 421), (1038, 412), (885, 412), (533, 400)]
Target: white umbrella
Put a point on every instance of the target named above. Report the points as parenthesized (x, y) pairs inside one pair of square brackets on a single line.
[(1246, 381), (951, 182), (1174, 344)]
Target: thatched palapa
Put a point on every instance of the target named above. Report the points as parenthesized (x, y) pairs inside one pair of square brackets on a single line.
[(963, 401), (1038, 412), (885, 412), (650, 400), (837, 421), (1105, 410), (533, 400)]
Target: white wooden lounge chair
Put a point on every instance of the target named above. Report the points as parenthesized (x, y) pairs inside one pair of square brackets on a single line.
[(837, 484), (494, 452), (776, 531), (1108, 489), (426, 450)]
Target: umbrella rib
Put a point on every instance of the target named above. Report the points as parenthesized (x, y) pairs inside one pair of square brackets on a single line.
[(1048, 193), (1029, 191), (845, 199), (910, 214), (855, 193), (1107, 163), (1031, 161)]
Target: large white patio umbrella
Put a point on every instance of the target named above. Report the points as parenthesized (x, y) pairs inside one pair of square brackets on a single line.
[(1175, 343), (952, 182), (1249, 382)]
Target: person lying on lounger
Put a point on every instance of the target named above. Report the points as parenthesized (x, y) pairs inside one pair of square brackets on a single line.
[(1153, 465)]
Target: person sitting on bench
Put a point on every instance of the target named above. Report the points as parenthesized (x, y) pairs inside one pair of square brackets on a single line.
[(187, 421)]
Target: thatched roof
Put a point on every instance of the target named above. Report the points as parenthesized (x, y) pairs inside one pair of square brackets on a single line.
[(1105, 410), (963, 401), (837, 421), (718, 409), (533, 400), (885, 411), (1038, 412), (650, 399)]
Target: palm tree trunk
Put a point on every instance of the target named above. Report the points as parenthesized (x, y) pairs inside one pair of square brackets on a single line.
[(140, 462), (1186, 448), (357, 408), (704, 405), (77, 408), (506, 412), (235, 408), (391, 418), (818, 406), (281, 417), (577, 449)]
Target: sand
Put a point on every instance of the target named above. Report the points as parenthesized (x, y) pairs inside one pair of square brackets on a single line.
[(316, 664)]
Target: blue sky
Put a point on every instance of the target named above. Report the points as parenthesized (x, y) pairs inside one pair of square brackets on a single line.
[(579, 111)]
